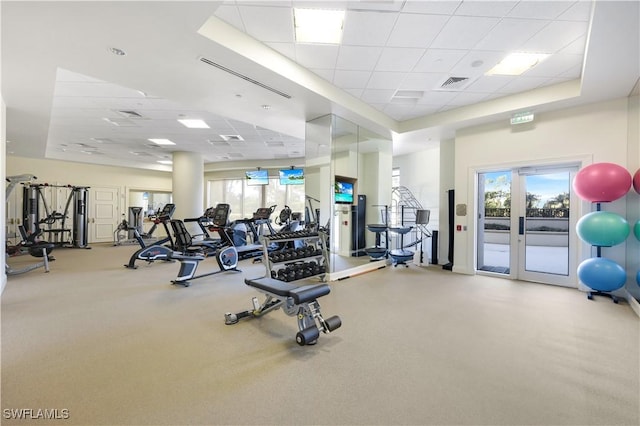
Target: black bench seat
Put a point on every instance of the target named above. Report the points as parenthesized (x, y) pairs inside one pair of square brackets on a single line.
[(300, 294)]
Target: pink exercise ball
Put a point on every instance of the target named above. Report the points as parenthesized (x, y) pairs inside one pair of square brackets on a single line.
[(602, 182), (636, 181)]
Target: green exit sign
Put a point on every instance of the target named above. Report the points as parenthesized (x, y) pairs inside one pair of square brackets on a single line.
[(522, 117)]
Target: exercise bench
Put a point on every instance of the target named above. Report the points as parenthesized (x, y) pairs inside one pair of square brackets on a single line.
[(294, 300)]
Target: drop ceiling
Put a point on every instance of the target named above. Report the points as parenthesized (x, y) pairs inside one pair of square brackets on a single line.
[(69, 97)]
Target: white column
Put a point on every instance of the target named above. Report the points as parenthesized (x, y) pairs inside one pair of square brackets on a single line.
[(188, 187)]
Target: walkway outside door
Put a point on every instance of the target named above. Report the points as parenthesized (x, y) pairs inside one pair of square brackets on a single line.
[(525, 228)]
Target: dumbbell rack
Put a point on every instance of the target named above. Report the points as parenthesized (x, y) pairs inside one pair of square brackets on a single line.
[(290, 265)]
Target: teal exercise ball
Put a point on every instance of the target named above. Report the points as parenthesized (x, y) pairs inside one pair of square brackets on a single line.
[(636, 229), (602, 274), (603, 229)]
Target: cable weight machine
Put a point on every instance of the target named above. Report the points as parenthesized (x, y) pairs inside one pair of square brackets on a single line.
[(55, 225)]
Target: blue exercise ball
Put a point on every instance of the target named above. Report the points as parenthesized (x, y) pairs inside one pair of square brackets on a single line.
[(603, 229), (638, 278), (601, 274)]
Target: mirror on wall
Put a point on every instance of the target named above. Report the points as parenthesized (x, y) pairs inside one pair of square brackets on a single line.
[(151, 202), (348, 177)]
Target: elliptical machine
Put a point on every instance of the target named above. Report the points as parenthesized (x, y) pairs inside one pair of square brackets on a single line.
[(157, 250)]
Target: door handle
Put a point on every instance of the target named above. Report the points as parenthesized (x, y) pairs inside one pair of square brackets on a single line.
[(521, 225)]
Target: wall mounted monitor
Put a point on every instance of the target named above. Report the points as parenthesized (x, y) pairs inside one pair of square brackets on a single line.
[(257, 177), (343, 192), (292, 177)]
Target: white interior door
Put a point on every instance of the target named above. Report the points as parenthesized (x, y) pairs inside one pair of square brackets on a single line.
[(104, 216)]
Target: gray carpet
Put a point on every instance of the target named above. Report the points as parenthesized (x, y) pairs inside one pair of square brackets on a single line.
[(418, 346)]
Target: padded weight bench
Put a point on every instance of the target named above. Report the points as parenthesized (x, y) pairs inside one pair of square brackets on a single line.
[(294, 300)]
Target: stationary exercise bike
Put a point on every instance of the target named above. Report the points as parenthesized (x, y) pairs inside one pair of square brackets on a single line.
[(157, 250), (190, 253)]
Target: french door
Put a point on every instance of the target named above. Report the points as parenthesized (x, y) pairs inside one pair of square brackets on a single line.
[(525, 226)]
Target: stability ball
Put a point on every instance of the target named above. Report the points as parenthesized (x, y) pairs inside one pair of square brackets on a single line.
[(636, 181), (604, 229), (601, 274), (602, 182), (636, 229), (638, 278)]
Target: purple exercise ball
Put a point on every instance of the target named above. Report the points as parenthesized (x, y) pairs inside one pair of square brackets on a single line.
[(602, 182)]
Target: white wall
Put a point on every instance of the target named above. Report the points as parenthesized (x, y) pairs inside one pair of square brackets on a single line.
[(65, 172), (591, 133), (633, 199), (420, 174)]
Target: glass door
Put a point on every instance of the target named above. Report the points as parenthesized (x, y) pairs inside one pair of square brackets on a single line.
[(546, 226), (494, 222), (525, 229)]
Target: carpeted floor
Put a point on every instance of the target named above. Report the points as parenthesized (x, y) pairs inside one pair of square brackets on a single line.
[(104, 345)]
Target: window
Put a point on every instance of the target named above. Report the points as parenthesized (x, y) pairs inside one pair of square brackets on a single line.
[(245, 200)]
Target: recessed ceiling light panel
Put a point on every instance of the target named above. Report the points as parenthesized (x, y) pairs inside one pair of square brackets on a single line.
[(318, 25), (517, 63), (193, 123), (162, 141)]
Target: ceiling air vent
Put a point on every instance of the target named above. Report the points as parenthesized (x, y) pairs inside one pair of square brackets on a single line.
[(244, 77), (232, 138), (127, 113), (454, 84)]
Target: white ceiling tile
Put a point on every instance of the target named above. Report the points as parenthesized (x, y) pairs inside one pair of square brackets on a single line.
[(556, 36), (469, 65), (286, 49), (540, 9), (523, 84), (398, 59), (367, 28), (437, 98), (273, 24), (485, 8), (463, 32), (377, 96), (231, 15), (439, 60), (431, 7), (580, 11), (358, 58), (490, 83), (385, 80), (316, 56), (510, 34), (576, 47), (416, 30), (355, 92), (398, 112), (384, 5), (351, 79), (327, 74), (421, 81), (555, 65), (467, 98)]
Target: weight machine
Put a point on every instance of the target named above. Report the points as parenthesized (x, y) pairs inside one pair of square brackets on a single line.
[(56, 225)]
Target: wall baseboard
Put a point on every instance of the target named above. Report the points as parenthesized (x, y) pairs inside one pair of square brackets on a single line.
[(635, 305)]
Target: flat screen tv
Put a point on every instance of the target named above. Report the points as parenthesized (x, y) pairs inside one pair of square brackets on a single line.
[(343, 192), (292, 177), (257, 177)]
